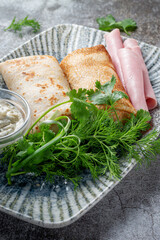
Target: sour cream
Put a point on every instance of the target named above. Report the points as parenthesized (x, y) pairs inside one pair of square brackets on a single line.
[(11, 118)]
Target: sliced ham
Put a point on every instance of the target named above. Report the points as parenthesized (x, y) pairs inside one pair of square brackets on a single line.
[(149, 93), (133, 75), (114, 43), (130, 42)]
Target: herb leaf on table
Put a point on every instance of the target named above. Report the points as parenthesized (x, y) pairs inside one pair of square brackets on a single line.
[(17, 26), (109, 23)]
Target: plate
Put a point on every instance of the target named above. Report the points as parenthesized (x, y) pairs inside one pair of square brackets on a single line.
[(59, 204)]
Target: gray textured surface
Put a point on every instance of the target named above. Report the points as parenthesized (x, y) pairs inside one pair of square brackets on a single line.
[(132, 209)]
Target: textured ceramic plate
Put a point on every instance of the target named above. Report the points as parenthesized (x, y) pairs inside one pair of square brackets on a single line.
[(57, 205)]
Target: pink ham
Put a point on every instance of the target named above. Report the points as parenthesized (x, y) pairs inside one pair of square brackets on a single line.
[(149, 93), (114, 43), (133, 75), (130, 42)]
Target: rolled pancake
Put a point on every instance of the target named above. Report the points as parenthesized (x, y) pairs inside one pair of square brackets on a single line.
[(40, 80), (83, 67)]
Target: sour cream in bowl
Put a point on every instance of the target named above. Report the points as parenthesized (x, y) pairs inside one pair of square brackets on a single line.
[(14, 117)]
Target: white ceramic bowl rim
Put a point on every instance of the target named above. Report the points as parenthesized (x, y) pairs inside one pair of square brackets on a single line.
[(27, 113)]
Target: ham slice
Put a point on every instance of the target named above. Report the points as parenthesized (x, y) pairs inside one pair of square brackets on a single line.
[(149, 93), (114, 43), (133, 75)]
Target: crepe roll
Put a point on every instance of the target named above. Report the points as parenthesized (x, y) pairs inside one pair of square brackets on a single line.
[(40, 80), (83, 67)]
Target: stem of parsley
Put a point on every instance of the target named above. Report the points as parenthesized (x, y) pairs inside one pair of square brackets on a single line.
[(16, 174), (9, 167)]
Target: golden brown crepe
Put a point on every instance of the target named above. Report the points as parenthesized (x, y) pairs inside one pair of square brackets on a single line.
[(40, 80), (83, 67)]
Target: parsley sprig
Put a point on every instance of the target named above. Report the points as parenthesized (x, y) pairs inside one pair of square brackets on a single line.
[(109, 23), (17, 26), (91, 141)]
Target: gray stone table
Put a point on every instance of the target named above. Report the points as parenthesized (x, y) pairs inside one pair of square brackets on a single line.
[(131, 210)]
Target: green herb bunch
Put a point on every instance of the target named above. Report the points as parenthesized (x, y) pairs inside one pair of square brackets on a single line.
[(91, 141)]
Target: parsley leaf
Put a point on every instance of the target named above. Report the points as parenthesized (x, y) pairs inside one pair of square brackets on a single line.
[(80, 94), (109, 23), (128, 25), (104, 95), (80, 108), (17, 26)]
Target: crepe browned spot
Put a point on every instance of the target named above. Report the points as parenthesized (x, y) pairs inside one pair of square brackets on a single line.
[(83, 67), (40, 80)]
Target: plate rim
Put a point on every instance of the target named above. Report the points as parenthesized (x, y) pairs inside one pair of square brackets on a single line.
[(67, 25), (87, 207)]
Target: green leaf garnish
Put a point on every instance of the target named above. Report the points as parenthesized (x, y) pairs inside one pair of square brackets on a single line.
[(92, 140), (79, 107), (128, 25), (104, 94), (109, 23), (17, 26)]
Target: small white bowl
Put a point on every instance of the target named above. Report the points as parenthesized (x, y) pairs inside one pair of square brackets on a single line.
[(19, 102)]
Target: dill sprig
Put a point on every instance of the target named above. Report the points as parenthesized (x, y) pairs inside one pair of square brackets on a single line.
[(17, 26)]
